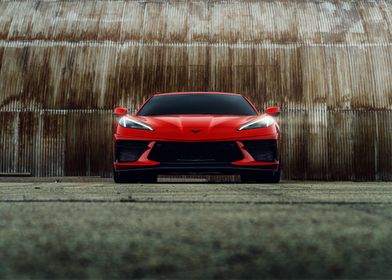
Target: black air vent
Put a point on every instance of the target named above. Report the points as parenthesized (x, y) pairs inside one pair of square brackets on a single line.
[(128, 151), (262, 150)]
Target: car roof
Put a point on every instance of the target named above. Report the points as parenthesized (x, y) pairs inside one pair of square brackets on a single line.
[(196, 92)]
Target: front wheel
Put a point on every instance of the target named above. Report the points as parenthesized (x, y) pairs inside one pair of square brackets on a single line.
[(263, 177), (122, 177)]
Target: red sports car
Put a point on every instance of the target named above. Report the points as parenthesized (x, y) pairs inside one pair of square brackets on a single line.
[(196, 133)]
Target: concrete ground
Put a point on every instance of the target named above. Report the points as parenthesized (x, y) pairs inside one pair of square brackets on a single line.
[(96, 229)]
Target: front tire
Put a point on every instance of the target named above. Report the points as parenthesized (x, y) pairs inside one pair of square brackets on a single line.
[(122, 177), (272, 177)]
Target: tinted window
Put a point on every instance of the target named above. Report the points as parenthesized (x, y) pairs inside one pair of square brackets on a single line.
[(182, 104)]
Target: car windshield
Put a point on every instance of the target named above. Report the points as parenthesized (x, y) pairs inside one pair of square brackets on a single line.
[(187, 104)]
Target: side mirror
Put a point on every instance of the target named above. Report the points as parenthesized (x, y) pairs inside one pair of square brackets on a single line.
[(273, 111), (120, 111)]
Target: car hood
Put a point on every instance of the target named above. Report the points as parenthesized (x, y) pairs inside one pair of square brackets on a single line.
[(205, 123)]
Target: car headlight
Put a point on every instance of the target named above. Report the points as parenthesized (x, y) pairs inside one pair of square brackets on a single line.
[(132, 123), (265, 121)]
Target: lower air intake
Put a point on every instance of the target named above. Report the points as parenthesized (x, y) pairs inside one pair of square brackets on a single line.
[(128, 151), (262, 150)]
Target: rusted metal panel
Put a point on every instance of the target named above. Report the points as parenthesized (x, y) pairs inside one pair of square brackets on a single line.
[(281, 21), (80, 76), (88, 143), (64, 65)]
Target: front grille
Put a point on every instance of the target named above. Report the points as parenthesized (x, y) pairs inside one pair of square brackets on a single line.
[(262, 150), (128, 151), (195, 151)]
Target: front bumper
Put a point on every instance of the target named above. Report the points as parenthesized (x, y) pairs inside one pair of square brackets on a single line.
[(246, 163)]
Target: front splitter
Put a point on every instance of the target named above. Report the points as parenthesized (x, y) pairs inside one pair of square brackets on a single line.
[(198, 168)]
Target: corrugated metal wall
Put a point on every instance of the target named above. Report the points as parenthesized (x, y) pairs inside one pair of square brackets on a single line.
[(328, 64)]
